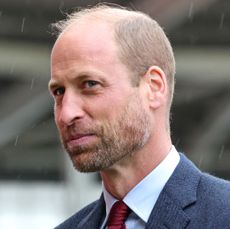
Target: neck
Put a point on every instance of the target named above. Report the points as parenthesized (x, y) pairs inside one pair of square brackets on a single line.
[(123, 176)]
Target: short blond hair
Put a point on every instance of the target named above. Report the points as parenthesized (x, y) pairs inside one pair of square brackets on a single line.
[(141, 41)]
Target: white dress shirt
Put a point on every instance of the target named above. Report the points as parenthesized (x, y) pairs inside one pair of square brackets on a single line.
[(142, 198)]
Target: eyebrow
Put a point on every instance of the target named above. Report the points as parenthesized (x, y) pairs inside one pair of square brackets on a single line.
[(53, 84)]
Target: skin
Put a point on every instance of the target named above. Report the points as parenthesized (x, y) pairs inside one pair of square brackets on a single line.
[(85, 110)]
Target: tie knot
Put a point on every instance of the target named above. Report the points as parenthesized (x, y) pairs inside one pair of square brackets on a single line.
[(118, 214)]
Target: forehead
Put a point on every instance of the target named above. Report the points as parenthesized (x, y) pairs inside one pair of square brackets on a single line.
[(85, 39)]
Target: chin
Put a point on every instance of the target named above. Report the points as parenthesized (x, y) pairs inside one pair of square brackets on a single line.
[(89, 162), (84, 163)]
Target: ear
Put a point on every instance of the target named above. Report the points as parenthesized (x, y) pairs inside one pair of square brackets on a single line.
[(157, 86)]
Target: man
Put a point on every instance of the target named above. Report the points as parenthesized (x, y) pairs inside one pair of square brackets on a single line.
[(112, 82)]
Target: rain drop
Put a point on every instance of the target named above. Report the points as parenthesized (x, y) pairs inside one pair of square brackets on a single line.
[(221, 152), (177, 142), (61, 6), (200, 162), (23, 24), (16, 141), (221, 21), (190, 12), (32, 84)]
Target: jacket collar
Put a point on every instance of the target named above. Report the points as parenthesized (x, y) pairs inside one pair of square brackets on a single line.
[(178, 193), (95, 217)]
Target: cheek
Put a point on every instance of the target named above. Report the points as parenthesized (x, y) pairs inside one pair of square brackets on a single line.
[(98, 107), (107, 109)]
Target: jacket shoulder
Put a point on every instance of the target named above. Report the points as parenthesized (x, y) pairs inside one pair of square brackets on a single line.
[(203, 197), (213, 202), (216, 191)]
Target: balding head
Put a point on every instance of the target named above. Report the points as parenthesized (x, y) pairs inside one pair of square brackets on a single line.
[(141, 42)]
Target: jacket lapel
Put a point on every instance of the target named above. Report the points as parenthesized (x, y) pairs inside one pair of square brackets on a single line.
[(94, 218), (178, 194), (167, 215)]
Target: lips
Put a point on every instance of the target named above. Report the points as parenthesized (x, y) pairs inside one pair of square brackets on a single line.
[(78, 136), (80, 139)]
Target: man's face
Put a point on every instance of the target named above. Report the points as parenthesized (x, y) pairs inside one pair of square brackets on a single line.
[(100, 115)]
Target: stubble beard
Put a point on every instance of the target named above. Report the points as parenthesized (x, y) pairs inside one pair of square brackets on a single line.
[(122, 138)]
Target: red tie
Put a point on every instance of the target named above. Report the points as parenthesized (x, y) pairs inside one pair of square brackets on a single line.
[(117, 216)]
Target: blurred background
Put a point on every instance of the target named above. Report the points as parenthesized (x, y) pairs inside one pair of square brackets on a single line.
[(38, 186)]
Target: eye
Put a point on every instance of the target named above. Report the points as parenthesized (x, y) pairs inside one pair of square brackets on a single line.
[(90, 84), (59, 91)]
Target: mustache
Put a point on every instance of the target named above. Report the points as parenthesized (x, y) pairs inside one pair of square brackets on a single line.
[(70, 132)]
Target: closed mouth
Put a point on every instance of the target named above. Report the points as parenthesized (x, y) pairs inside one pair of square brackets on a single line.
[(80, 139)]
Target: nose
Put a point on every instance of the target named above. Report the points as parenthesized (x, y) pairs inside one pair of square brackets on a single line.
[(71, 109)]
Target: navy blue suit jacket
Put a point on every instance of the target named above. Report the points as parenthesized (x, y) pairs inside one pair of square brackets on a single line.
[(190, 199)]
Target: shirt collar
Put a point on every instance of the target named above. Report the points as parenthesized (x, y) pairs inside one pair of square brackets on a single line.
[(109, 199), (142, 198)]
